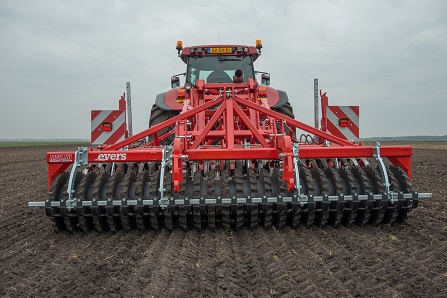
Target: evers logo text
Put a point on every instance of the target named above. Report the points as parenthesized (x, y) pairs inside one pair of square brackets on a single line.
[(111, 156)]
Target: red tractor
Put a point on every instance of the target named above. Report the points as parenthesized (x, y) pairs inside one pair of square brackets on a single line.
[(210, 64), (222, 151)]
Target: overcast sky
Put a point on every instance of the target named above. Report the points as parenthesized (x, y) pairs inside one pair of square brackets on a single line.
[(61, 59)]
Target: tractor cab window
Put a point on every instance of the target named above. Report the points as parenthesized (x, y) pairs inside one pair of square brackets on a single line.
[(218, 69)]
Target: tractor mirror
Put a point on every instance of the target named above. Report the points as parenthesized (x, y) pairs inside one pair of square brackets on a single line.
[(265, 79), (175, 82)]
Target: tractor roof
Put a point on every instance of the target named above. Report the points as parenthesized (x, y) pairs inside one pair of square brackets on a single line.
[(214, 50)]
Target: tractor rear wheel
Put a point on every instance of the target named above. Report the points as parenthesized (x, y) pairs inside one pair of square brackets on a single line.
[(159, 115), (286, 110)]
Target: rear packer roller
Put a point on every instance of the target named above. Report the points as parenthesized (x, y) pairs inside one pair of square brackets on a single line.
[(243, 194)]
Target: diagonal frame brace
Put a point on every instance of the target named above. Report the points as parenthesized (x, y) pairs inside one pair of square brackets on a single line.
[(250, 126)]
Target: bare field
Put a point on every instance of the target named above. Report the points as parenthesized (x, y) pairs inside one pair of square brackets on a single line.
[(408, 260), (421, 145)]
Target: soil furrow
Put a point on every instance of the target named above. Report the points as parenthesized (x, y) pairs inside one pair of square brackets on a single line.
[(408, 260)]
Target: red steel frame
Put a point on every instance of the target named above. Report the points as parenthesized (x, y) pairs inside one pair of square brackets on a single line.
[(232, 116)]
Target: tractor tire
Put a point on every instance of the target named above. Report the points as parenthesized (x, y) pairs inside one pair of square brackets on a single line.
[(159, 115), (286, 110)]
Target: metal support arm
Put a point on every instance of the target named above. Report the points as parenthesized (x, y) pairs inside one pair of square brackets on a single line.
[(81, 160)]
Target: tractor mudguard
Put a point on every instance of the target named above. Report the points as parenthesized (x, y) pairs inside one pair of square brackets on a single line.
[(281, 98), (160, 102), (167, 101)]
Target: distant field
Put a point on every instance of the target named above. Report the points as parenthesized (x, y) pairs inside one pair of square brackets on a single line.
[(415, 145), (418, 145), (27, 144)]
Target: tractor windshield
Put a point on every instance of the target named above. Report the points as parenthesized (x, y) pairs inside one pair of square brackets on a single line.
[(218, 69)]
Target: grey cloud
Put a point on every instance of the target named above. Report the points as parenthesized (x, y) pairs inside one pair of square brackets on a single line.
[(60, 59)]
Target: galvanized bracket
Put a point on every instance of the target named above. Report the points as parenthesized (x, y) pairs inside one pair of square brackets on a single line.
[(295, 165), (337, 166), (378, 158), (165, 162), (81, 160), (247, 146)]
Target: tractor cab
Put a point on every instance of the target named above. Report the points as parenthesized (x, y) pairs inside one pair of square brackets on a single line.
[(219, 63), (219, 69)]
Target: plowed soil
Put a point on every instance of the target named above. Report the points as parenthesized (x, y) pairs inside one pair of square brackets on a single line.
[(408, 260)]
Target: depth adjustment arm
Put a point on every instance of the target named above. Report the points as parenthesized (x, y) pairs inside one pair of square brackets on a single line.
[(81, 160), (377, 157), (165, 162), (296, 159)]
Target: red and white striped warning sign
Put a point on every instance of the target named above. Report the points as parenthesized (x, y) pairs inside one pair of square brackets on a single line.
[(108, 126), (343, 121)]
